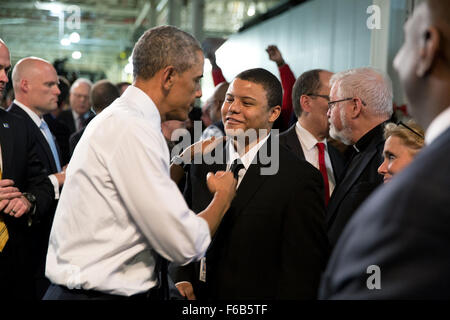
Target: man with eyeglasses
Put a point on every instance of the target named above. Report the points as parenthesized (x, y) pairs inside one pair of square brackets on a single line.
[(308, 137), (404, 227), (79, 113), (361, 101)]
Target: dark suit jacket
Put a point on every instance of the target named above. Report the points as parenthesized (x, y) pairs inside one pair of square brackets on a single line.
[(289, 140), (75, 137), (66, 117), (41, 231), (271, 243), (358, 181), (21, 164), (404, 229), (44, 152), (62, 135)]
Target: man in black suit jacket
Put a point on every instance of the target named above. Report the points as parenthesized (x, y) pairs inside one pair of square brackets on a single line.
[(310, 96), (103, 93), (75, 118), (397, 245), (21, 171), (271, 243), (361, 103), (35, 84)]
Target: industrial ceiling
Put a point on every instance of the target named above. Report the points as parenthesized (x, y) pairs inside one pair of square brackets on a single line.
[(96, 37)]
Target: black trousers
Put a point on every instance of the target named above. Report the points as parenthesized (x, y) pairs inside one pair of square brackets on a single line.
[(57, 292)]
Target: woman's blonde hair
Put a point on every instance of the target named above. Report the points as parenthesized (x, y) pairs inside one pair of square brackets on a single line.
[(410, 133)]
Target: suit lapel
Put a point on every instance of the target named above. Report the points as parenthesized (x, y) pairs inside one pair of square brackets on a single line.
[(7, 145), (39, 136), (248, 187), (350, 177), (336, 162), (293, 144)]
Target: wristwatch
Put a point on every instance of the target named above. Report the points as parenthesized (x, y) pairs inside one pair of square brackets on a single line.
[(32, 200)]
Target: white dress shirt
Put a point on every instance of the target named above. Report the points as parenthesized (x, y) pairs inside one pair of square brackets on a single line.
[(246, 159), (38, 121), (119, 203), (308, 143), (438, 126)]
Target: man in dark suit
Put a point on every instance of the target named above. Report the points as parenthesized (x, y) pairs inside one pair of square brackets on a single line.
[(77, 116), (59, 129), (103, 93), (361, 101), (310, 96), (272, 242), (397, 245), (35, 84), (21, 171)]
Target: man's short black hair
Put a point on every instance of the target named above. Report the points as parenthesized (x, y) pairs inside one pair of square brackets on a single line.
[(269, 82)]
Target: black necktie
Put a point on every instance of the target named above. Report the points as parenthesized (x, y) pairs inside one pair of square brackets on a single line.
[(236, 165)]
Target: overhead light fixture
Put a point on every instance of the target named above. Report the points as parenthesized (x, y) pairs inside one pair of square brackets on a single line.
[(74, 37), (55, 7), (65, 42), (76, 55), (251, 10)]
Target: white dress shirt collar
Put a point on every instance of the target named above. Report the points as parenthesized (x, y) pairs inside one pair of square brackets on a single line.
[(307, 138), (141, 102), (30, 112), (438, 126), (248, 157)]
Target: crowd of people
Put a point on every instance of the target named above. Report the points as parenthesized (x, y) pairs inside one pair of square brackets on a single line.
[(294, 189)]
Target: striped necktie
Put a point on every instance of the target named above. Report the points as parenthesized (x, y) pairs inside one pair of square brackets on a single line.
[(4, 235)]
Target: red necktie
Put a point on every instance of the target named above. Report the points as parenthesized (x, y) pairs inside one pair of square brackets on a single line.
[(323, 170)]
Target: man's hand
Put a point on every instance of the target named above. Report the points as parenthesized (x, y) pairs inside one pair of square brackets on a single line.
[(275, 55), (186, 290), (7, 192), (222, 182), (17, 207), (61, 176)]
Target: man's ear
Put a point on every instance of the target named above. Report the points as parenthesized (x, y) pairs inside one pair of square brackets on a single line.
[(168, 77), (304, 103), (429, 47), (24, 85), (356, 108), (274, 113)]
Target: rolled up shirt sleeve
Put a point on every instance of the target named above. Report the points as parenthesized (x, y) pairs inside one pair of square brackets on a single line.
[(153, 200)]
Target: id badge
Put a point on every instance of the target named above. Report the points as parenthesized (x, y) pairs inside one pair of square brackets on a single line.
[(202, 275)]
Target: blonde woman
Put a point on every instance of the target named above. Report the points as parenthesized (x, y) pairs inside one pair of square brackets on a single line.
[(403, 142)]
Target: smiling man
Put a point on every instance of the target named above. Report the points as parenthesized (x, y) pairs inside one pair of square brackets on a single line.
[(119, 211), (272, 242)]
